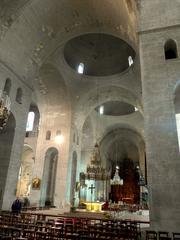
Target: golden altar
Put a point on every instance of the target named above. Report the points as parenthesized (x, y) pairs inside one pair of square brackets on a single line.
[(94, 206)]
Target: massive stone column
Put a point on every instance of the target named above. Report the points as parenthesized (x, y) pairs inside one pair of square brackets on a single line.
[(158, 78), (11, 169), (11, 146)]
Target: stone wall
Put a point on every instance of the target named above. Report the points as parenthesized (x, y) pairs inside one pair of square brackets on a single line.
[(159, 77)]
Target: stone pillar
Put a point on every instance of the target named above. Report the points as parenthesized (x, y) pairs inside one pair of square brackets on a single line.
[(163, 163), (13, 169)]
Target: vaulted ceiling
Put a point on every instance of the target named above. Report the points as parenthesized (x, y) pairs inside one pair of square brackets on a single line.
[(45, 37)]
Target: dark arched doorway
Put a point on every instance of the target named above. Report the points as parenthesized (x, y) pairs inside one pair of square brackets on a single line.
[(49, 177)]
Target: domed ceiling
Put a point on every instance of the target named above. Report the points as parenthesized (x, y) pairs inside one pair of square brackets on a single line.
[(116, 108), (101, 54)]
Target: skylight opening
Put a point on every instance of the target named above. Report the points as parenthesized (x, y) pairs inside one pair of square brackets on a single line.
[(81, 68)]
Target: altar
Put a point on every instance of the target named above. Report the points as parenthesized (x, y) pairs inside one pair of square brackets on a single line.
[(94, 206)]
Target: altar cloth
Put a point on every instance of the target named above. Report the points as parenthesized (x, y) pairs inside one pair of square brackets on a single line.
[(94, 206)]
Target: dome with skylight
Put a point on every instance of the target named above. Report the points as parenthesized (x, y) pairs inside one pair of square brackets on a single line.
[(98, 54), (115, 108)]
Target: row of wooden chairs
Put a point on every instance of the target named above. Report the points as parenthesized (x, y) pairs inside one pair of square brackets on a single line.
[(18, 227), (162, 235)]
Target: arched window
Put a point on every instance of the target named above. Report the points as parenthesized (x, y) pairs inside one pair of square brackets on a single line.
[(7, 86), (81, 68), (48, 135), (30, 121), (19, 96), (170, 49), (101, 110), (130, 61)]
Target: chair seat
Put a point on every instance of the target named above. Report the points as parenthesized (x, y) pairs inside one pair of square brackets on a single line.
[(176, 236)]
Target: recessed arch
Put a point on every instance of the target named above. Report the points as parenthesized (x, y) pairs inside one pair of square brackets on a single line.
[(124, 148), (19, 95), (128, 136), (115, 108), (97, 97), (7, 86), (30, 121), (170, 49), (49, 177)]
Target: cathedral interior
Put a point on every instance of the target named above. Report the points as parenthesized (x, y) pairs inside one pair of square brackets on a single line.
[(90, 103)]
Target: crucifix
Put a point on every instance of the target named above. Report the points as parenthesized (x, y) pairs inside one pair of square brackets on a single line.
[(91, 187)]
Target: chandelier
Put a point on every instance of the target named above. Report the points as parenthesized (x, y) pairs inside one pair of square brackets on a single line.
[(4, 109), (95, 171), (116, 179)]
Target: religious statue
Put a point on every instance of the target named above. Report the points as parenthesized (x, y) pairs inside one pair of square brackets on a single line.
[(36, 182)]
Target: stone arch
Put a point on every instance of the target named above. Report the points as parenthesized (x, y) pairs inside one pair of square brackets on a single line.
[(93, 131), (96, 97), (6, 144), (170, 49), (49, 177), (125, 148), (130, 145), (73, 175)]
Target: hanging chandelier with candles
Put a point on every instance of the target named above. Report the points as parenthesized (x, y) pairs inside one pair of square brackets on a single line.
[(4, 109), (116, 179), (95, 171)]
